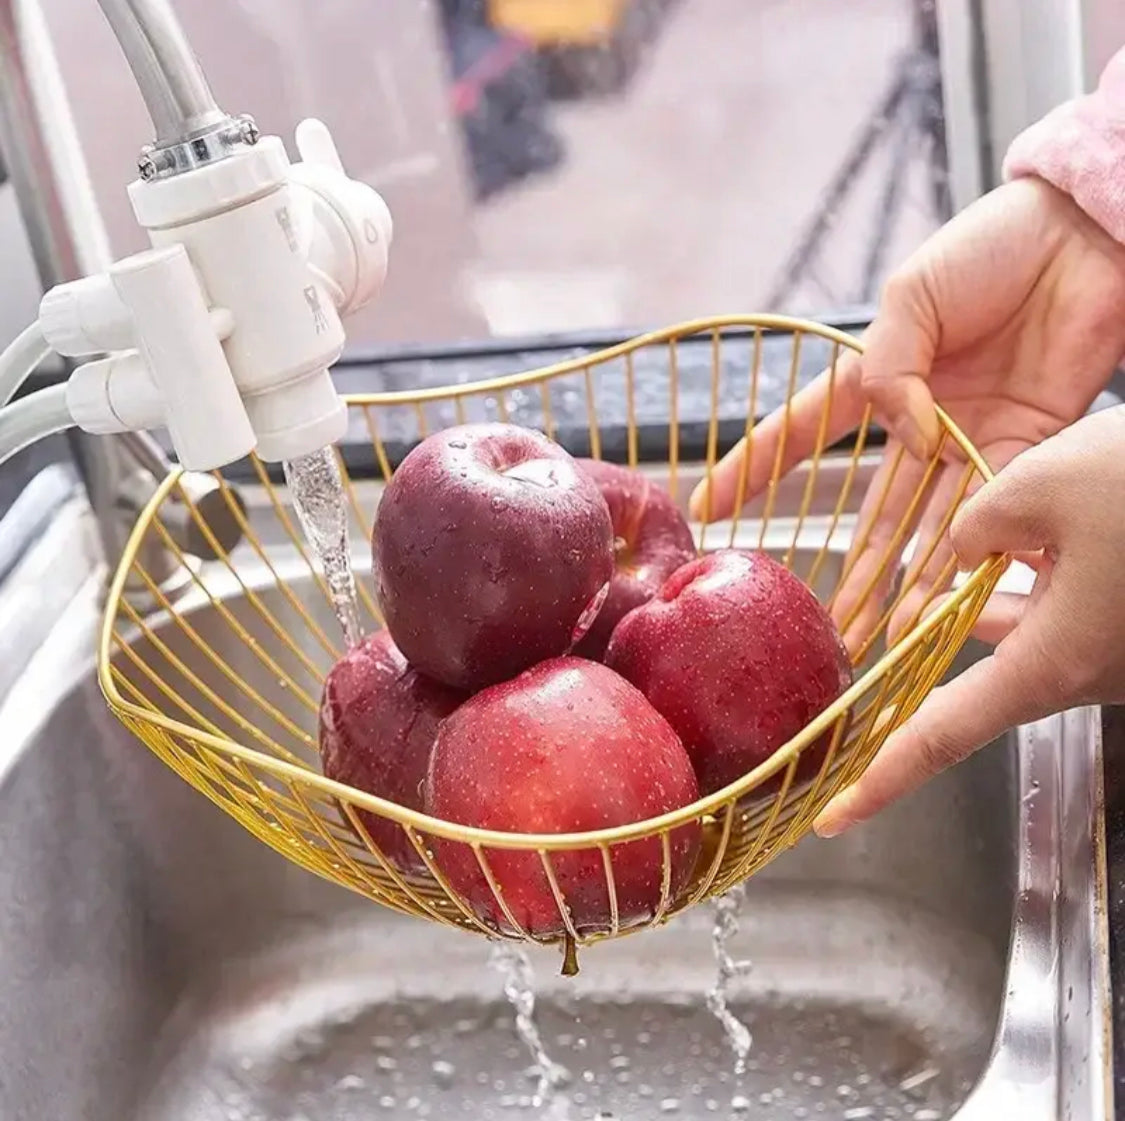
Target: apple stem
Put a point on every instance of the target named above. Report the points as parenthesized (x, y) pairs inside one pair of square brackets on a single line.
[(570, 957)]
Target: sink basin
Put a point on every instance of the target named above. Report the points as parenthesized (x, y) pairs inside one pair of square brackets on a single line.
[(156, 962)]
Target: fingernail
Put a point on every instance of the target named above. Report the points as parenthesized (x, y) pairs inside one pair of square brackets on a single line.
[(854, 639), (828, 826), (834, 819)]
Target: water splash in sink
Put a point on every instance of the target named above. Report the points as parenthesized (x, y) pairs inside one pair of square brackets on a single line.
[(514, 966), (727, 910), (317, 490)]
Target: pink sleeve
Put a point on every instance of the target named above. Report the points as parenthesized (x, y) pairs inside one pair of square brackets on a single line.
[(1080, 149)]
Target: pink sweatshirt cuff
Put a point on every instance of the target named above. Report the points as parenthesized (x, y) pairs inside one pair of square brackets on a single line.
[(1080, 149)]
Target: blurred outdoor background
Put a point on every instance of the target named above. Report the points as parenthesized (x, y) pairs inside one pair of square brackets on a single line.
[(561, 165)]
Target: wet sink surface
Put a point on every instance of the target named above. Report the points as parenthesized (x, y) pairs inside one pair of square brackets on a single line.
[(625, 1060), (178, 969), (217, 981)]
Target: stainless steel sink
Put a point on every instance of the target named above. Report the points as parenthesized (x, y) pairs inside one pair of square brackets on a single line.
[(156, 962)]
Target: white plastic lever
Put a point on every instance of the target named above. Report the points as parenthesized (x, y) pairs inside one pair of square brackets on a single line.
[(316, 146)]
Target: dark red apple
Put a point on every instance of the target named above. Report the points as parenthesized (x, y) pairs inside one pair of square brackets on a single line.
[(737, 653), (378, 721), (566, 747), (492, 551), (651, 540)]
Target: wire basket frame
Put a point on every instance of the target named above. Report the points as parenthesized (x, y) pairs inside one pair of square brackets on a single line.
[(223, 681)]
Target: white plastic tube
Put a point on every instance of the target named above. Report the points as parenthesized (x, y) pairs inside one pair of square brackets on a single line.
[(32, 418), (176, 341), (20, 360)]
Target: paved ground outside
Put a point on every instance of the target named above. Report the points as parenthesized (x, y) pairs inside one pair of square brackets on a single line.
[(686, 195)]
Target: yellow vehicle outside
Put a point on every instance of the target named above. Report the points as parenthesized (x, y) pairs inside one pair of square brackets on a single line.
[(559, 23)]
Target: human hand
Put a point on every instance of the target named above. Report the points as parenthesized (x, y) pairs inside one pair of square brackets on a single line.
[(1060, 647), (1012, 316)]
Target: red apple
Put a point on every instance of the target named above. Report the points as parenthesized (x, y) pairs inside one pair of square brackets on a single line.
[(651, 540), (492, 551), (738, 654), (566, 747), (378, 721)]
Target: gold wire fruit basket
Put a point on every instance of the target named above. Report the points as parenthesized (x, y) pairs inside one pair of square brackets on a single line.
[(223, 680)]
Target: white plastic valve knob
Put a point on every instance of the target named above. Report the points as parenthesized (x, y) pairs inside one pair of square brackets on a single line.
[(316, 146), (85, 316), (114, 394), (348, 226)]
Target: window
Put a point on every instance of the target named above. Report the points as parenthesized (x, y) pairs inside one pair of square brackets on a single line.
[(567, 165)]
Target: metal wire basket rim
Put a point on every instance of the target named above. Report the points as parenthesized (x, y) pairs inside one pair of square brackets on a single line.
[(598, 838), (784, 757), (764, 321)]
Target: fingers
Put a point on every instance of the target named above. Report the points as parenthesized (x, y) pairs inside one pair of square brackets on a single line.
[(891, 508), (1013, 513), (933, 563), (1000, 617), (1013, 686), (748, 467), (899, 350), (1059, 646), (900, 346)]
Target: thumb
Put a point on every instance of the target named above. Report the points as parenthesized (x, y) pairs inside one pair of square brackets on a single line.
[(1013, 513), (1013, 686), (899, 350)]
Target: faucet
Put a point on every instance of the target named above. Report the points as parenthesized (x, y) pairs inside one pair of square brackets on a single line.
[(224, 330)]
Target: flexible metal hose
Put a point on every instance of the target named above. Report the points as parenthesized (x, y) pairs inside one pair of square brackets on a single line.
[(171, 81)]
